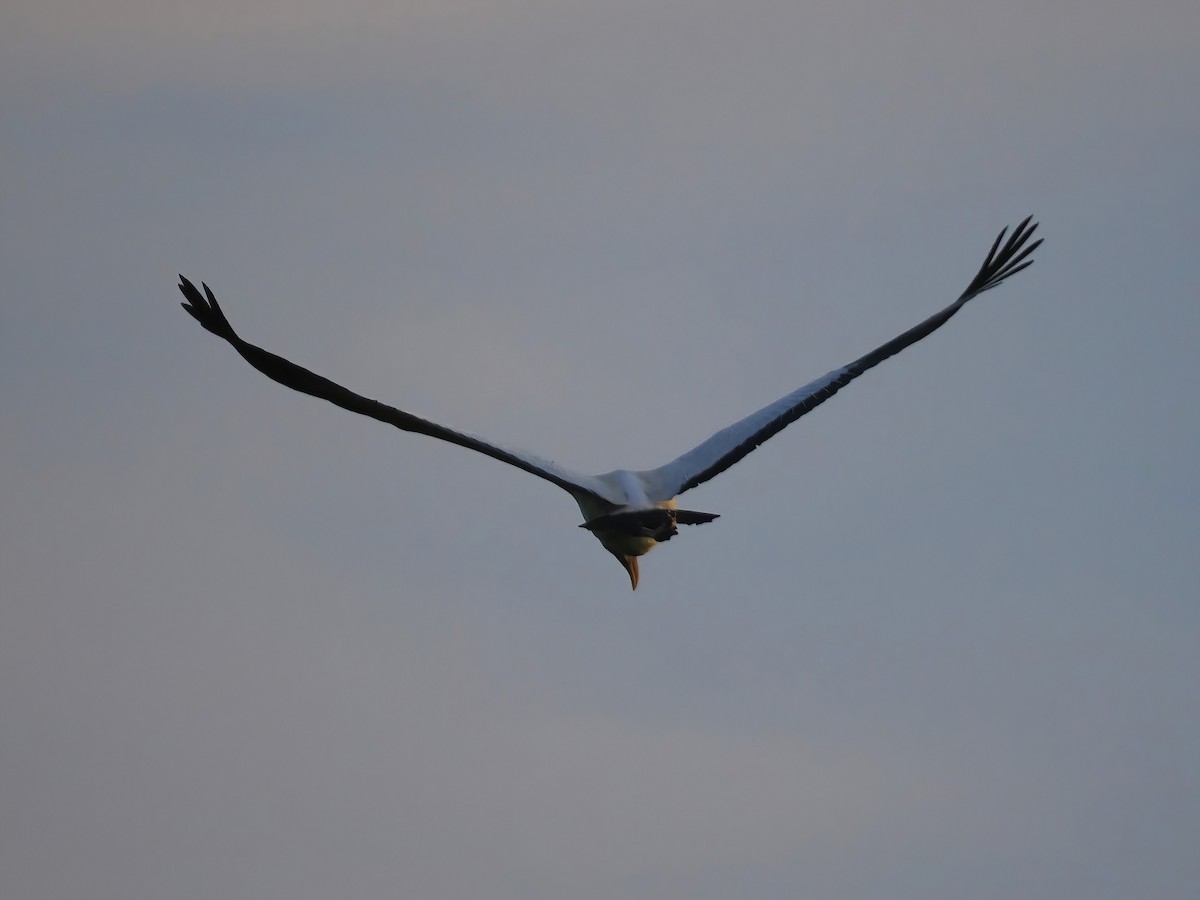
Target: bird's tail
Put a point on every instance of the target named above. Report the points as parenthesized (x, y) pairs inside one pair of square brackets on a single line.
[(658, 522)]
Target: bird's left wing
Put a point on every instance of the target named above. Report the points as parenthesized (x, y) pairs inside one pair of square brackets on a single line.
[(205, 310), (731, 444)]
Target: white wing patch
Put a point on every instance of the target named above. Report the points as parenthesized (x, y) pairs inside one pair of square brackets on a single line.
[(665, 482)]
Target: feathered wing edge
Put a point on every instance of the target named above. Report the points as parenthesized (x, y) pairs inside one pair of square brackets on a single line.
[(732, 444), (205, 310)]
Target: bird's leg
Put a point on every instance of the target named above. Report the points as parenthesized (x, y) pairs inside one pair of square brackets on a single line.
[(665, 530), (658, 524)]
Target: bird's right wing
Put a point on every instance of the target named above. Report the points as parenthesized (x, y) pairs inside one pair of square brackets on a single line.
[(732, 444), (205, 310)]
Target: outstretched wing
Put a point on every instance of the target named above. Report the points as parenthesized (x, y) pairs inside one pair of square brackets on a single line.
[(205, 310), (731, 444)]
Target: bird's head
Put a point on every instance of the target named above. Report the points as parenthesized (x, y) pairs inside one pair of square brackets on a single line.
[(629, 563), (624, 540), (626, 549)]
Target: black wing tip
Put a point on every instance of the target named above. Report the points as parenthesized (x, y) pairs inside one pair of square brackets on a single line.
[(205, 309), (1006, 260)]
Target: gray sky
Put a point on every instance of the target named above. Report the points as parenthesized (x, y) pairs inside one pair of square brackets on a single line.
[(943, 641)]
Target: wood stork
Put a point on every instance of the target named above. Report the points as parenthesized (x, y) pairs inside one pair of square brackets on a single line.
[(630, 512)]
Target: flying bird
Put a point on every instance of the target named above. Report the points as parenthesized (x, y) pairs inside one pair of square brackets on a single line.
[(629, 512)]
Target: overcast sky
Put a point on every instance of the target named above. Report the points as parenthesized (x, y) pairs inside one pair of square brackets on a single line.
[(944, 640)]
